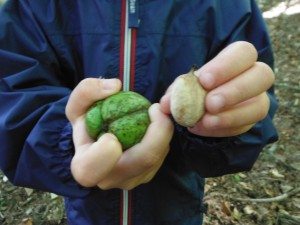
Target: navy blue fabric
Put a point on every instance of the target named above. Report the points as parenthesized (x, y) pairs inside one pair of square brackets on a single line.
[(48, 46)]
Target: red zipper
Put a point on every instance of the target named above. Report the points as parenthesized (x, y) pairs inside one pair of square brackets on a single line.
[(122, 40), (133, 57), (121, 76)]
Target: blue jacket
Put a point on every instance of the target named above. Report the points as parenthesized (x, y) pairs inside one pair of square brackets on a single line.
[(48, 46)]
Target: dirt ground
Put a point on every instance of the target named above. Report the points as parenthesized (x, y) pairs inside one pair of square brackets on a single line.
[(267, 195)]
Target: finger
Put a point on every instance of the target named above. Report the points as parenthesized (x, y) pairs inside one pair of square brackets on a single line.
[(129, 183), (87, 92), (152, 148), (80, 135), (92, 163), (144, 156), (136, 181), (227, 132), (251, 83), (165, 100), (165, 103), (154, 145), (246, 113), (232, 61)]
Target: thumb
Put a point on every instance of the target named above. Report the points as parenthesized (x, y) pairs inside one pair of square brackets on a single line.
[(87, 92), (92, 163)]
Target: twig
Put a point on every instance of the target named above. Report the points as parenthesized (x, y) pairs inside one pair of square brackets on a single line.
[(274, 199)]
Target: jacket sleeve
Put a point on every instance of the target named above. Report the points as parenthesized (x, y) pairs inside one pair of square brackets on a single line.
[(35, 136), (219, 156)]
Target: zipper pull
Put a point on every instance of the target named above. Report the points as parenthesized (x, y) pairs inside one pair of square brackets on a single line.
[(133, 13)]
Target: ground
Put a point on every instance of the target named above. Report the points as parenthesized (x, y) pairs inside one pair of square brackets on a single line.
[(276, 173)]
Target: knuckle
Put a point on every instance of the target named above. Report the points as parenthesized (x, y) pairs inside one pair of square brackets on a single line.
[(84, 87), (249, 48), (237, 94), (215, 122), (219, 70), (264, 106), (225, 121), (80, 170), (87, 81), (266, 71), (82, 177)]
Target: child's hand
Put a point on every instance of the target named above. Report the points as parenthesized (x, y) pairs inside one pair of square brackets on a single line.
[(236, 86), (102, 162), (141, 162)]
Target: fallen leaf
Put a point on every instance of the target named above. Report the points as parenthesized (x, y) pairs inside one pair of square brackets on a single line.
[(53, 196), (286, 187), (246, 186), (236, 214), (207, 188), (269, 191), (296, 202), (226, 208), (27, 221), (261, 212), (242, 175), (28, 191), (5, 179), (275, 173), (295, 165), (29, 211), (248, 210)]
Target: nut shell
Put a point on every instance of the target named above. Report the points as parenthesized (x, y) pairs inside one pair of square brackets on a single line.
[(124, 114), (187, 100)]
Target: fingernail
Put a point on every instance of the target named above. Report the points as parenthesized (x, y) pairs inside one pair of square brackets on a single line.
[(109, 84), (216, 102), (109, 136), (207, 80)]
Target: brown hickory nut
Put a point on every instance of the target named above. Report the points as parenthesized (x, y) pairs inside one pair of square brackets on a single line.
[(187, 99)]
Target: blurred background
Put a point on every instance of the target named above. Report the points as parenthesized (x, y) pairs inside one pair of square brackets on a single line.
[(268, 195)]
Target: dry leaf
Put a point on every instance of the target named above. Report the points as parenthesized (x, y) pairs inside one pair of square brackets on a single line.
[(269, 192), (236, 214), (261, 212), (27, 221), (296, 202), (207, 188), (5, 179), (246, 186), (53, 196), (28, 191), (276, 174), (226, 208), (295, 165), (242, 175), (248, 210)]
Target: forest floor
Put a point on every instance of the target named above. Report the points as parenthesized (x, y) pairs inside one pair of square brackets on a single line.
[(267, 195)]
